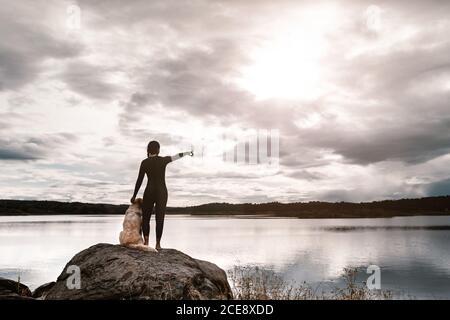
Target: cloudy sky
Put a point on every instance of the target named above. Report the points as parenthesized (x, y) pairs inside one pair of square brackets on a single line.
[(359, 92)]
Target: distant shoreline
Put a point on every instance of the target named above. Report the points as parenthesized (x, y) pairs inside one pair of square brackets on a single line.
[(429, 206)]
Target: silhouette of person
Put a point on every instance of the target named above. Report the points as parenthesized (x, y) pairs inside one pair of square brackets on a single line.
[(155, 194)]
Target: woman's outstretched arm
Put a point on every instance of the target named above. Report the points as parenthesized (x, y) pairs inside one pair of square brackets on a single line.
[(138, 181), (181, 154)]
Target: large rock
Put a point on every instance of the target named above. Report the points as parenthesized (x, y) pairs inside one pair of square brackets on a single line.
[(116, 272), (13, 290), (41, 291)]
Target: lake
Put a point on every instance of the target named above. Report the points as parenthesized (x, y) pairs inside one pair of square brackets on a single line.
[(412, 252)]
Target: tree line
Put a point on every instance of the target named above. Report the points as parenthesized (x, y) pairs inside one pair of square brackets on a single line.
[(313, 209)]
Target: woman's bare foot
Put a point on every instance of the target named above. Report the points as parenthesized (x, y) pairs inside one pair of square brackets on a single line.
[(158, 246), (146, 241)]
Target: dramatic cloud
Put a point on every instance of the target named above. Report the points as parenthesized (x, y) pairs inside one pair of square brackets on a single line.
[(32, 148), (88, 80), (358, 92), (28, 43)]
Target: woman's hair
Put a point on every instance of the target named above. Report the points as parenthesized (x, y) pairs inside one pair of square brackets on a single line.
[(152, 148)]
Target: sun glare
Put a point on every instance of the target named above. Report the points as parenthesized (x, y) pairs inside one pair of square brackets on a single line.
[(288, 64)]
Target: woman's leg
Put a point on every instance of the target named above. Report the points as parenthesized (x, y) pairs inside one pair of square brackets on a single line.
[(160, 211), (147, 208)]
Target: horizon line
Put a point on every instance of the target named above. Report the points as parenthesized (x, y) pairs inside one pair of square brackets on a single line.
[(243, 203)]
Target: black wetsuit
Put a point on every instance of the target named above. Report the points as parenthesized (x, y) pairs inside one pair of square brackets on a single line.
[(155, 194)]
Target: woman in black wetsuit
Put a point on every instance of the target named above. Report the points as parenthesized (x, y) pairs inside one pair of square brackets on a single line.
[(155, 194)]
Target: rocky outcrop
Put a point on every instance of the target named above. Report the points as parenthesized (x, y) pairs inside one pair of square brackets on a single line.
[(13, 290), (41, 291), (116, 272)]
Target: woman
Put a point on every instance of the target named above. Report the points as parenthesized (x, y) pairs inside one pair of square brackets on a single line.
[(155, 194)]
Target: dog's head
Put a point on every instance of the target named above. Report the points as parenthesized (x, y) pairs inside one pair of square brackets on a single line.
[(138, 202), (136, 206)]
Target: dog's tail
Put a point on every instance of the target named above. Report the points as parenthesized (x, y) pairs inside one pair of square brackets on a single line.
[(142, 247)]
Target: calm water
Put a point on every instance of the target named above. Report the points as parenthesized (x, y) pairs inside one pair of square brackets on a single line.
[(413, 254)]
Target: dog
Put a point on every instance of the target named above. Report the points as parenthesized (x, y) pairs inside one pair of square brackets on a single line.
[(131, 236)]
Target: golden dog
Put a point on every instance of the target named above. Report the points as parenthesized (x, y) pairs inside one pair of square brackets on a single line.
[(131, 236)]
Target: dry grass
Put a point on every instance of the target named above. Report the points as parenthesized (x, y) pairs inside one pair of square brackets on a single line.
[(357, 291), (253, 283)]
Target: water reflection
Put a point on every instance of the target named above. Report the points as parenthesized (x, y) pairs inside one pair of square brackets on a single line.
[(411, 251)]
